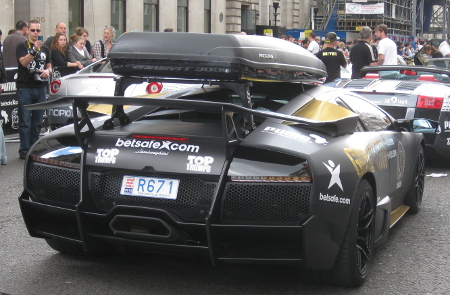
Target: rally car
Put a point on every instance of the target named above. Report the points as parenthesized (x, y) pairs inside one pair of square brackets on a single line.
[(258, 163), (408, 92)]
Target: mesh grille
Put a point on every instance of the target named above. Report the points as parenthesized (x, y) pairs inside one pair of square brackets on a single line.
[(50, 184), (432, 114), (266, 203), (192, 204), (396, 112)]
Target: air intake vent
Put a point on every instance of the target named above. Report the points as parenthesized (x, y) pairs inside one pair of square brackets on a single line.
[(408, 86), (358, 84)]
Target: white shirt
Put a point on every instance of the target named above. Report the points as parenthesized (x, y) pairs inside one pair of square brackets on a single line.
[(80, 51), (444, 48), (388, 48), (313, 47)]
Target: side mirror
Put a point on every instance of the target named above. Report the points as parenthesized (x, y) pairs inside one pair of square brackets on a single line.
[(414, 125)]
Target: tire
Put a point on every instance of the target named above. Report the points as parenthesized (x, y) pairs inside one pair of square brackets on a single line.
[(66, 247), (413, 197), (353, 262)]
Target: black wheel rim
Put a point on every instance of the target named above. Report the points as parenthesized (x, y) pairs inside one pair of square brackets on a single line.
[(364, 243), (420, 179)]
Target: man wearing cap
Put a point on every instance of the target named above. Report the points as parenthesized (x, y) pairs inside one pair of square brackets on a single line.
[(444, 47), (332, 58), (362, 53)]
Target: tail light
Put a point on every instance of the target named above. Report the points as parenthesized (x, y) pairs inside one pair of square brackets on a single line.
[(55, 85), (154, 87), (429, 102)]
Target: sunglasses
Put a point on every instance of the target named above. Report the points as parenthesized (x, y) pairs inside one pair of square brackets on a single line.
[(35, 30)]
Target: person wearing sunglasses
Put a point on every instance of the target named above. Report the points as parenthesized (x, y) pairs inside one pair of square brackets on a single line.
[(34, 69)]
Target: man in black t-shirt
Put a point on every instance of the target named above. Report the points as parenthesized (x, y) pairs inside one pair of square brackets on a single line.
[(332, 58), (362, 53), (33, 73)]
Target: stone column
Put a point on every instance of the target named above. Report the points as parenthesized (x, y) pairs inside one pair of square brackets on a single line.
[(168, 15), (7, 19), (135, 15), (97, 14)]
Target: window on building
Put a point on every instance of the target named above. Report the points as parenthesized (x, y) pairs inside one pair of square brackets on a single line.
[(118, 17), (207, 13), (182, 15), (76, 15), (248, 20), (151, 15)]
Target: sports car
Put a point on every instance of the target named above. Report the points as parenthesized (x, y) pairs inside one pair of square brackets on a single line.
[(407, 92), (257, 163), (96, 79)]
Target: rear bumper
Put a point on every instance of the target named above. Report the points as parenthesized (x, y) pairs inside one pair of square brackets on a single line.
[(154, 230)]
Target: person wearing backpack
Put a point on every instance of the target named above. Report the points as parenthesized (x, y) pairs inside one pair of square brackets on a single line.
[(102, 47)]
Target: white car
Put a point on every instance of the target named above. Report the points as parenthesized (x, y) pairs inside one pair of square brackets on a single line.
[(96, 79)]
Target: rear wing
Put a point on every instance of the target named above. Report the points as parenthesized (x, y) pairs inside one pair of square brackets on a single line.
[(84, 127)]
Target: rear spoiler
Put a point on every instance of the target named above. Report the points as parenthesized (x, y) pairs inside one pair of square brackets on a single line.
[(80, 104), (432, 69)]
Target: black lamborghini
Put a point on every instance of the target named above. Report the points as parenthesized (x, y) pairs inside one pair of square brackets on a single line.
[(258, 164)]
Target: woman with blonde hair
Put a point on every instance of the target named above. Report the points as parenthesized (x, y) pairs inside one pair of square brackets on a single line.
[(103, 46), (59, 52), (344, 50)]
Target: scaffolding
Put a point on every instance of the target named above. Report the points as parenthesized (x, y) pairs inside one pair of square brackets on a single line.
[(418, 18), (397, 15), (438, 25)]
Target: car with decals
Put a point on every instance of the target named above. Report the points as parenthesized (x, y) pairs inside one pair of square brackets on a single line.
[(408, 92), (257, 163), (95, 79)]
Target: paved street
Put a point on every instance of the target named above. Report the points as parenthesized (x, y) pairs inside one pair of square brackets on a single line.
[(415, 259)]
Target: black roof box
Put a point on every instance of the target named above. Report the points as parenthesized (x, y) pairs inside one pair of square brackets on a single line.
[(213, 56)]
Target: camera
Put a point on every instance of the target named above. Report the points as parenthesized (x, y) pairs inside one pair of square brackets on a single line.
[(34, 73)]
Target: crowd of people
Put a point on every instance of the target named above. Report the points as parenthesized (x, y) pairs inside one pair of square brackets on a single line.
[(35, 59), (372, 48)]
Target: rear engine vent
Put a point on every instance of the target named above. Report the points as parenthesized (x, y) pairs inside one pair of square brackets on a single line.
[(358, 84), (396, 112), (408, 86)]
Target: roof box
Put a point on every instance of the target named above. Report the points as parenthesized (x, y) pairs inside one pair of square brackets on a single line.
[(213, 56)]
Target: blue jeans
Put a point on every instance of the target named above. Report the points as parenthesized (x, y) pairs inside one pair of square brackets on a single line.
[(3, 157), (30, 122)]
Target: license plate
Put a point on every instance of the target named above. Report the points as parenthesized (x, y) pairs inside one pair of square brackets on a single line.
[(151, 187)]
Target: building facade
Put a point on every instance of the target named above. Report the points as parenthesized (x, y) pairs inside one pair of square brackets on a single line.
[(210, 16)]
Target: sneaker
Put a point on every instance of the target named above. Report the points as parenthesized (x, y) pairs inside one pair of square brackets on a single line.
[(23, 155)]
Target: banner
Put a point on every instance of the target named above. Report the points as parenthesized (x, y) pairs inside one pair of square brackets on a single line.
[(9, 117), (353, 8)]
